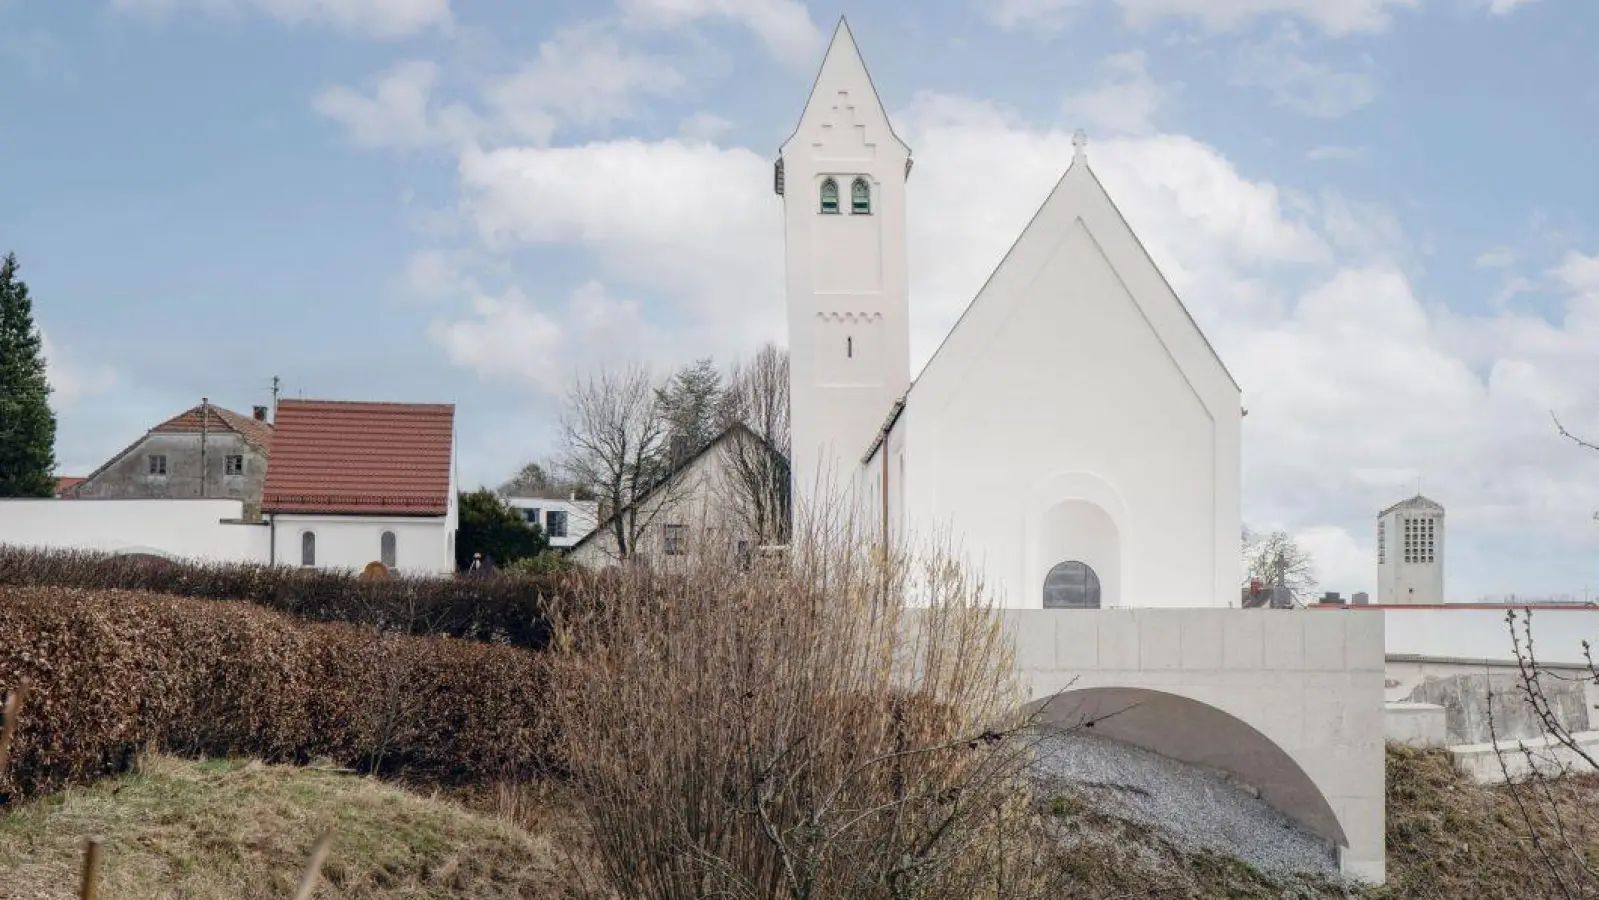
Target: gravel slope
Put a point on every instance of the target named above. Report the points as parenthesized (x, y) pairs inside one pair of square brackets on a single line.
[(1193, 807)]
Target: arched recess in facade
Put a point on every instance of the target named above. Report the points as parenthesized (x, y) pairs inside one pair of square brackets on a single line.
[(1193, 732)]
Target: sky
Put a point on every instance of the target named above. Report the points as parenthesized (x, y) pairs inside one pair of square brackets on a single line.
[(1381, 213)]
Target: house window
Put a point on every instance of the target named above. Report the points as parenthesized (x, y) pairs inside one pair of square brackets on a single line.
[(1071, 585), (557, 523), (387, 550), (307, 548), (158, 464), (830, 197), (849, 348), (532, 516), (235, 464), (860, 198), (674, 540)]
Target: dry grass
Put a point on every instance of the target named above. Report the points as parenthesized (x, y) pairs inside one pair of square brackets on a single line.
[(220, 830)]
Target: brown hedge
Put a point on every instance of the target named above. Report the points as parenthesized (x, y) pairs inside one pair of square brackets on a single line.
[(115, 671), (500, 608)]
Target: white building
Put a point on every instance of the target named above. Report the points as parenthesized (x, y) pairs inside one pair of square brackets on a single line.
[(1410, 553), (354, 483), (1075, 434), (564, 521)]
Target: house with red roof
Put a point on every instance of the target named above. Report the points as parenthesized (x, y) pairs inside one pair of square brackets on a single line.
[(206, 452), (351, 483)]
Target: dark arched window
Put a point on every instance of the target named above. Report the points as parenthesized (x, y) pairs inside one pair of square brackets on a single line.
[(849, 347), (1071, 585), (830, 196), (307, 548), (386, 548), (860, 197)]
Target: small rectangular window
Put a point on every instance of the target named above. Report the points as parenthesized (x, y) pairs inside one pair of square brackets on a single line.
[(531, 516), (557, 523), (236, 464), (158, 464), (674, 540)]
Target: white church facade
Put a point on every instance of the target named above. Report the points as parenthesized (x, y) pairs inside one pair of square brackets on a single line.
[(1075, 413)]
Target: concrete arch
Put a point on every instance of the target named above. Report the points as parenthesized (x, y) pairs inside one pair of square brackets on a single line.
[(1073, 515), (1190, 731)]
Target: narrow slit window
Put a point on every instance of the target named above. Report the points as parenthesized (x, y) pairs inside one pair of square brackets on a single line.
[(387, 549), (860, 197), (849, 348), (830, 197), (307, 548)]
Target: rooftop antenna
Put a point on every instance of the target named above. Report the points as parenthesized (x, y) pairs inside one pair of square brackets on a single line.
[(277, 386)]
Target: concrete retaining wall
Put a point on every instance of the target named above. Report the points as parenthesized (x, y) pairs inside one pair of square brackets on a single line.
[(1415, 724), (1289, 701), (205, 530), (1482, 761)]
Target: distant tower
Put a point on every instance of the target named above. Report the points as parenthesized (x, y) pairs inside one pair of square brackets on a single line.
[(1410, 552), (842, 178)]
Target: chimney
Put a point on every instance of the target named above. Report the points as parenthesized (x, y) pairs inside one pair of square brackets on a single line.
[(260, 413)]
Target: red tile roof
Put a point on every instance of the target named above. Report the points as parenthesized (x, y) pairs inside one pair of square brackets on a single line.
[(210, 417), (66, 483), (332, 456)]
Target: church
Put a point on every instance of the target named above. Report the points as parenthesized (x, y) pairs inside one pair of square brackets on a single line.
[(1075, 437)]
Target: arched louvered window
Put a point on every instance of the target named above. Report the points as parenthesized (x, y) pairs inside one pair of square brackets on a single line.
[(387, 549), (860, 198), (307, 548), (830, 197), (1071, 585)]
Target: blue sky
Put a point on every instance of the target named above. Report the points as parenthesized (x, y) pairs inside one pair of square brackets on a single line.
[(1381, 212)]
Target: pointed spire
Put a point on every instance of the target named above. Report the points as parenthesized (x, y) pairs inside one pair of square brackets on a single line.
[(1080, 143), (843, 72)]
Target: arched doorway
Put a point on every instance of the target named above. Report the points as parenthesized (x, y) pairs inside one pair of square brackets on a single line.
[(1072, 585)]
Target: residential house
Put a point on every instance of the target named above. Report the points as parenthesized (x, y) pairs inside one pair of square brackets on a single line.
[(565, 521), (356, 482), (203, 453), (702, 506)]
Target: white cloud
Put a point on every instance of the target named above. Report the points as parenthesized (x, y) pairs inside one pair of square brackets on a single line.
[(1336, 17), (1497, 258), (1505, 7), (70, 379), (381, 19), (1044, 15), (1310, 88), (581, 77), (399, 111), (703, 126), (1124, 102), (784, 26)]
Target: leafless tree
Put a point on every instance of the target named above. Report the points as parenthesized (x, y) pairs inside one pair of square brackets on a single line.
[(614, 445), (797, 735), (757, 477), (1581, 442), (1560, 824), (1276, 560)]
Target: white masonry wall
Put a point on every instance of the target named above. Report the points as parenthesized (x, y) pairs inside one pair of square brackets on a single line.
[(422, 545), (1290, 701), (203, 530)]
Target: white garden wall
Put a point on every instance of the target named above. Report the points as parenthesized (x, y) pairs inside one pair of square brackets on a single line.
[(204, 530)]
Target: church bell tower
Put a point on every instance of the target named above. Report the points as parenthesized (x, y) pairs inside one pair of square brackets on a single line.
[(842, 179)]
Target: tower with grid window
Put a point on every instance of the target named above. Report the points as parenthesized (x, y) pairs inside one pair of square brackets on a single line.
[(1410, 553)]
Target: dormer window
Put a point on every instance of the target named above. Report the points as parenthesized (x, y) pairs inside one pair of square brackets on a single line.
[(830, 197), (860, 198)]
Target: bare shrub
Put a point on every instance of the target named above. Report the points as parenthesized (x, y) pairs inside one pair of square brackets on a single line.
[(801, 734), (112, 672)]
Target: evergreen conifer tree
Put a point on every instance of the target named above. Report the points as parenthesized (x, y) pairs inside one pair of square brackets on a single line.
[(27, 424)]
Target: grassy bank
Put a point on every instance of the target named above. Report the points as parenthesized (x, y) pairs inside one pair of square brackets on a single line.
[(219, 830)]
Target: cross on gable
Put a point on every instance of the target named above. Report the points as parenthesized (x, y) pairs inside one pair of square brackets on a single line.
[(844, 132)]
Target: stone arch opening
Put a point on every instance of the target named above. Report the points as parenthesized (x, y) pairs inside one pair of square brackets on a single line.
[(1197, 733)]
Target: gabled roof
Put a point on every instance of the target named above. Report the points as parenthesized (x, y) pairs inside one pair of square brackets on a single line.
[(844, 65), (207, 417), (66, 483), (737, 428), (357, 458)]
